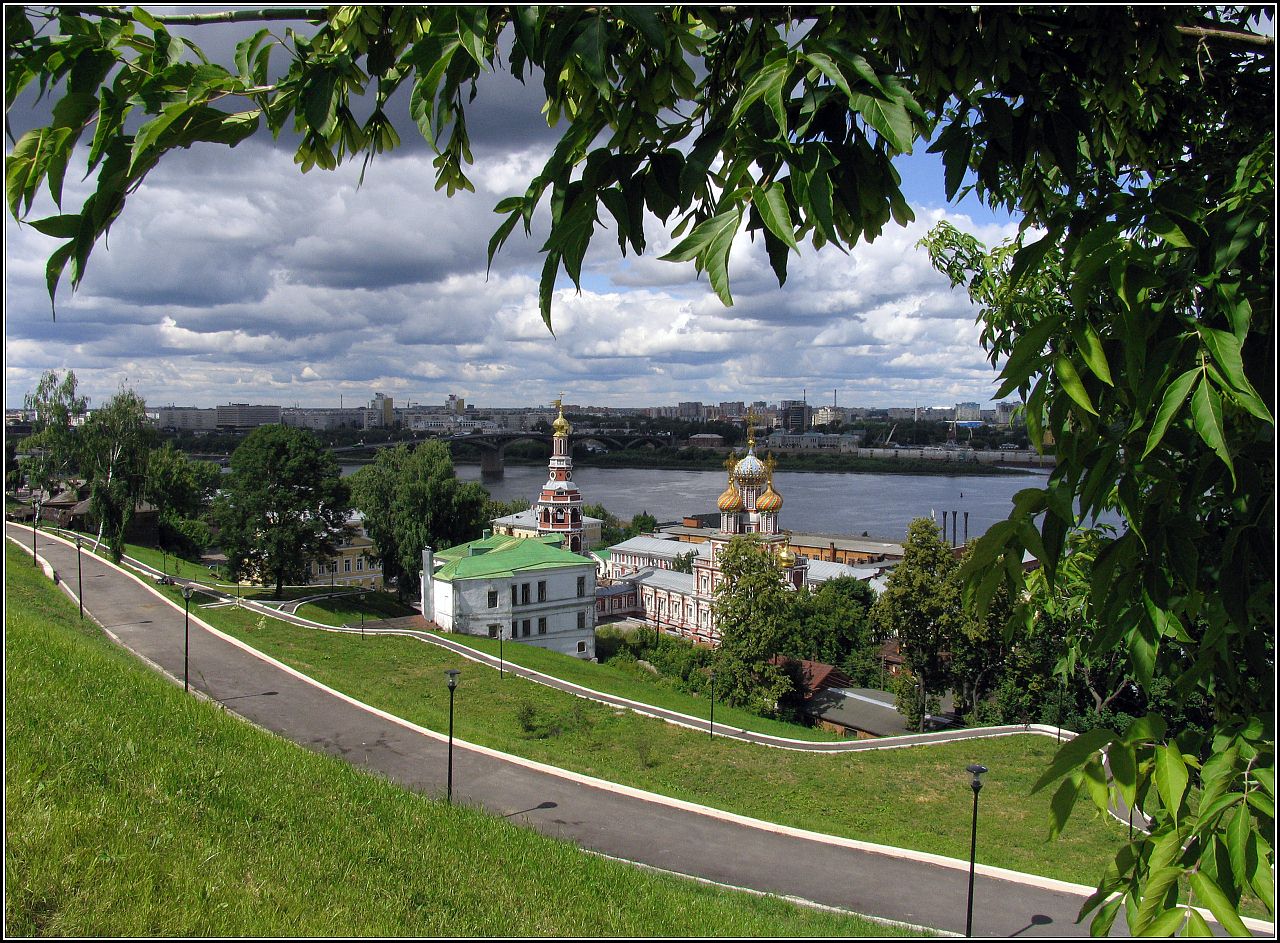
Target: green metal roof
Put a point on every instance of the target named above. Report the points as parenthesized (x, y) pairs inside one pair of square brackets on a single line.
[(501, 556)]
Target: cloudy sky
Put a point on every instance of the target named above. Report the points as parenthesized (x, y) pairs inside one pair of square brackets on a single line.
[(232, 277)]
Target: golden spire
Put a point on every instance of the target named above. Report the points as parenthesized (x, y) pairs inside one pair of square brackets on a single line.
[(770, 500), (751, 429)]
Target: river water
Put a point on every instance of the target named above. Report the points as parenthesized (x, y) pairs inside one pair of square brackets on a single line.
[(881, 505), (852, 504)]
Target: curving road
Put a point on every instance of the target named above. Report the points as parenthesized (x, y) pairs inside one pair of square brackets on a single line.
[(620, 822)]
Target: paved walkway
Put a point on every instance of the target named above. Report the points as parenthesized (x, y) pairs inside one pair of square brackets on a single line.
[(617, 821)]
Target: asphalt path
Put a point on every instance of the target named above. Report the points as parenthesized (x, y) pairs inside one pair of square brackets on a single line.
[(616, 821)]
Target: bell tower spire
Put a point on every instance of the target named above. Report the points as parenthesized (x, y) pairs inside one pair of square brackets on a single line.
[(559, 506)]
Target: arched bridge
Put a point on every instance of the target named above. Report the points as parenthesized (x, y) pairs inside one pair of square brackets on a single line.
[(493, 445)]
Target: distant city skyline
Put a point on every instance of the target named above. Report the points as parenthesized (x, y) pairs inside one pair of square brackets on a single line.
[(233, 277)]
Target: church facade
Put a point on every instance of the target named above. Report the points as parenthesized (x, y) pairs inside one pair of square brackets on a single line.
[(643, 575)]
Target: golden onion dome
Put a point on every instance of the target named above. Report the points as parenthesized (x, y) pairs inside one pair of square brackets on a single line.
[(731, 501), (786, 556), (750, 470), (561, 427), (770, 500)]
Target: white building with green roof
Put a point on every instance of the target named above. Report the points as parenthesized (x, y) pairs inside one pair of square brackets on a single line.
[(528, 589)]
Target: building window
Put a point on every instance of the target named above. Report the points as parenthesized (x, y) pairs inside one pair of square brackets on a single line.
[(524, 595), (513, 594), (542, 590), (542, 626), (582, 586), (582, 620), (493, 631), (524, 628), (582, 648), (493, 599), (346, 565)]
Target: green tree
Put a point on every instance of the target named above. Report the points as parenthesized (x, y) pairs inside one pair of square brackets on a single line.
[(1140, 142), (921, 608), (411, 499), (833, 623), (181, 491), (753, 612), (611, 529), (283, 506), (114, 448), (642, 523), (683, 563), (54, 446), (978, 648)]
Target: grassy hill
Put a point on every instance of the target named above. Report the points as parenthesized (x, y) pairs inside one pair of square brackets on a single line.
[(135, 810)]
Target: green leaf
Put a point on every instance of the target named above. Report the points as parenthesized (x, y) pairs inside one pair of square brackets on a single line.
[(1159, 881), (1171, 776), (246, 52), (709, 243), (1213, 898), (60, 227), (1091, 349), (1206, 412), (889, 118), (1074, 753), (1064, 800), (1166, 923), (1168, 230), (1070, 382), (771, 203), (768, 84), (1239, 845), (1174, 396), (1124, 770), (1196, 924), (591, 51), (1226, 354)]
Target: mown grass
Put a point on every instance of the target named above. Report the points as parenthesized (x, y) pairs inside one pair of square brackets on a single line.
[(917, 797), (133, 810), (611, 680), (346, 608)]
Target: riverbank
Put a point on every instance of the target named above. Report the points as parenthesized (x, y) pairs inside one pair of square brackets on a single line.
[(710, 460)]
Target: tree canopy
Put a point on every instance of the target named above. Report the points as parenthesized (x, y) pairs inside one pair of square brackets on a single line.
[(410, 499), (1134, 315), (283, 507)]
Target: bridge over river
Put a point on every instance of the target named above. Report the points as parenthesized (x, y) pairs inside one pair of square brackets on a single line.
[(493, 445)]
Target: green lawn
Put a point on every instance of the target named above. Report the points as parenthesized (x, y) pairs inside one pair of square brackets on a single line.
[(652, 690), (914, 798), (133, 810), (346, 608)]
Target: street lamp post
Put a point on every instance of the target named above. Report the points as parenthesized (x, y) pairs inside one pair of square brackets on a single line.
[(361, 597), (501, 673), (35, 527), (79, 577), (712, 732), (977, 771), (186, 633), (452, 674)]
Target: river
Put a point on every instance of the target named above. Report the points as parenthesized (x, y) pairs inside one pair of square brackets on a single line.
[(848, 503), (851, 503)]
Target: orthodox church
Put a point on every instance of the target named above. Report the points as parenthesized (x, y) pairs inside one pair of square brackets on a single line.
[(641, 578)]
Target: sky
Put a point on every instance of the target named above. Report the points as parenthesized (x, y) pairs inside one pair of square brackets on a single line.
[(233, 277)]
